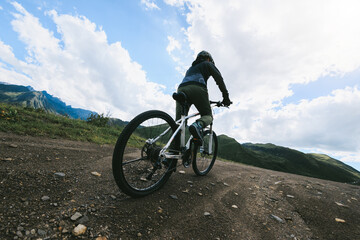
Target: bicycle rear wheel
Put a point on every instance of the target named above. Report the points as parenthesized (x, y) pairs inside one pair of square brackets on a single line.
[(137, 167), (203, 159)]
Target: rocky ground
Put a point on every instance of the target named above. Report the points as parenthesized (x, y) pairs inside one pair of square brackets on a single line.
[(57, 189)]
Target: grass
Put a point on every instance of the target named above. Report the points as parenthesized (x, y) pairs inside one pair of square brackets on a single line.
[(36, 122)]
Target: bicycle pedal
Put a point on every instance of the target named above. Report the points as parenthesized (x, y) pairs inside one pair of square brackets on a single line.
[(186, 164)]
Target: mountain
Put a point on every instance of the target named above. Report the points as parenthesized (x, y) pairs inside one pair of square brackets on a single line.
[(28, 97), (284, 159), (117, 122), (267, 156)]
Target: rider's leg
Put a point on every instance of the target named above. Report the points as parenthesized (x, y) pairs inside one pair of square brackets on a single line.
[(175, 145), (199, 96)]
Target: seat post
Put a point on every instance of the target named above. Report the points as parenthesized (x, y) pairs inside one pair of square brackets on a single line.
[(183, 108), (181, 98)]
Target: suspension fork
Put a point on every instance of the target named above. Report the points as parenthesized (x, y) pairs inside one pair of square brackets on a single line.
[(210, 140), (183, 128)]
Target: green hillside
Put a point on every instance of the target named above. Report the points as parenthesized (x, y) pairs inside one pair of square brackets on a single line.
[(293, 161), (37, 122)]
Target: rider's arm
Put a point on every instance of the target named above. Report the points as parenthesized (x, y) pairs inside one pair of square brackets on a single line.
[(215, 73)]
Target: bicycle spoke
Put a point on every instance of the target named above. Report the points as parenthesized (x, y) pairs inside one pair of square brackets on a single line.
[(134, 160)]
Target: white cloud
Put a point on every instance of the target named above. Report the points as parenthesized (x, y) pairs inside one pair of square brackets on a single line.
[(7, 54), (177, 3), (173, 44), (330, 122), (7, 73), (178, 54), (275, 44), (149, 5), (81, 67), (262, 48)]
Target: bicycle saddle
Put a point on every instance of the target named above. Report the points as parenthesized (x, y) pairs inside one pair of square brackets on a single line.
[(180, 97)]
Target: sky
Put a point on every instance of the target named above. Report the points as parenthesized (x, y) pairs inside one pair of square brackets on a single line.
[(292, 68)]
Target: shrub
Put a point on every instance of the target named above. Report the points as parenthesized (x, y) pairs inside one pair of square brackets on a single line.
[(99, 120), (8, 114)]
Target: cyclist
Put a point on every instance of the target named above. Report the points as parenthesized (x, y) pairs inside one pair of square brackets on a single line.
[(194, 85)]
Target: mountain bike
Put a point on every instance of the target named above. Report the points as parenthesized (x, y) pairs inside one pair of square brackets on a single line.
[(144, 158)]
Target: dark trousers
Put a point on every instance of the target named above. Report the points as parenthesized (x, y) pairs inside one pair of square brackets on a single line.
[(198, 96)]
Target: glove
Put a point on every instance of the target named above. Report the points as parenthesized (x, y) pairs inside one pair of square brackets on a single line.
[(226, 100)]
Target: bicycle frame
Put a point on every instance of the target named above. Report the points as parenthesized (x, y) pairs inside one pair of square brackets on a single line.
[(182, 128)]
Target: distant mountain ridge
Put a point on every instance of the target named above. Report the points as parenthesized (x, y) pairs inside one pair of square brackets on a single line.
[(284, 159), (28, 97), (267, 156)]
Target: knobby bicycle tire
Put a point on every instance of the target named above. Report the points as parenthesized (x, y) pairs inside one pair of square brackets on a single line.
[(132, 175), (202, 160)]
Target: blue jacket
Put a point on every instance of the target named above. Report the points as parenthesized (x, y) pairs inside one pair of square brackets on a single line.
[(199, 74)]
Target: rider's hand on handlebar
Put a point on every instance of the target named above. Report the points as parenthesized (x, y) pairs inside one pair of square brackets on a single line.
[(226, 102)]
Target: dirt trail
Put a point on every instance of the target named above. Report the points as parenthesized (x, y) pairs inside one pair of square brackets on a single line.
[(44, 182)]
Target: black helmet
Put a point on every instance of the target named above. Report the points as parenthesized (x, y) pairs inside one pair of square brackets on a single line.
[(205, 55)]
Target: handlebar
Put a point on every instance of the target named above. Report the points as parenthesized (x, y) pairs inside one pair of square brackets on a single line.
[(218, 104)]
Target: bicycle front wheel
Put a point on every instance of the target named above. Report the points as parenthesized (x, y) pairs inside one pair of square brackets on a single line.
[(138, 168), (204, 156)]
